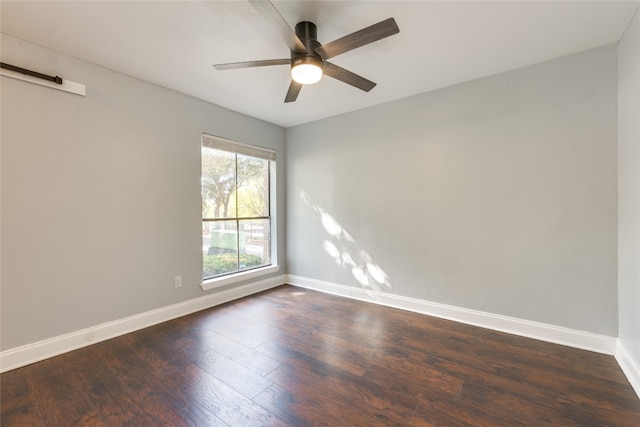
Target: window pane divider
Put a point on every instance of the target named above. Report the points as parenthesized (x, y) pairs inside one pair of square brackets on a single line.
[(248, 218), (235, 192)]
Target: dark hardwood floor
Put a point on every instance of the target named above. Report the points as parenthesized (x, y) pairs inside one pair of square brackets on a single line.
[(293, 357)]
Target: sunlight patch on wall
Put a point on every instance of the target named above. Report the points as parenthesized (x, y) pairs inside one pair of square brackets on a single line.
[(344, 250)]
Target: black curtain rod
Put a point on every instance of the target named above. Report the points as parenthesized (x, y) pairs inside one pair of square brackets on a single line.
[(26, 72)]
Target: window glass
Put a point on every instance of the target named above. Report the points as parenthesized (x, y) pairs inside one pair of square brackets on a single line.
[(236, 220)]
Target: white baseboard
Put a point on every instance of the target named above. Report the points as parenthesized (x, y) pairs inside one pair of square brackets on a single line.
[(30, 353), (541, 331), (629, 365)]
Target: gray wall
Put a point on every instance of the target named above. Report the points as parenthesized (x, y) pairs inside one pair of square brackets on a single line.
[(101, 195), (629, 189), (498, 195)]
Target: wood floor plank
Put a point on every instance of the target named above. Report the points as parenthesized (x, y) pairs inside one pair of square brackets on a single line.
[(530, 381), (67, 396), (442, 410), (198, 349), (240, 353), (233, 374), (300, 410), (16, 397), (156, 401), (374, 358), (227, 404), (20, 411), (371, 402), (488, 344), (295, 357)]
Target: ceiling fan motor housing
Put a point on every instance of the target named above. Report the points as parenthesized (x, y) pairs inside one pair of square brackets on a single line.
[(307, 32)]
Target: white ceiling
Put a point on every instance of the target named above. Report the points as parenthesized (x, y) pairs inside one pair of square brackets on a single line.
[(441, 43)]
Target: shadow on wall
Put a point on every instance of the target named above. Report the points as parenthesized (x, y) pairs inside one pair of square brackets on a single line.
[(344, 250)]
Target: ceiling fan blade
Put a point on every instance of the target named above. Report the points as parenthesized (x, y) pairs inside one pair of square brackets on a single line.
[(251, 64), (294, 90), (279, 25), (373, 33), (348, 77)]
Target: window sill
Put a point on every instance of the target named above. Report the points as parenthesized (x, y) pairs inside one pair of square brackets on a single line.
[(219, 282)]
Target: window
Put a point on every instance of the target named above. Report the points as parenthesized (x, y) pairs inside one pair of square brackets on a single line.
[(236, 208)]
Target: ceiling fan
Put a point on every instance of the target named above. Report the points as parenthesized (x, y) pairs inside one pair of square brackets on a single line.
[(308, 59)]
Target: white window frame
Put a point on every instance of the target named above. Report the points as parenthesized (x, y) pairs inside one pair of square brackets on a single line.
[(219, 143)]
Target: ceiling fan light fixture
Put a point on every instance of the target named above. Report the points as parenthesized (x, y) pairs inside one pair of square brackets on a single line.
[(306, 70)]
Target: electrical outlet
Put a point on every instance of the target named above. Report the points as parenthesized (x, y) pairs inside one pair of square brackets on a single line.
[(177, 281)]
